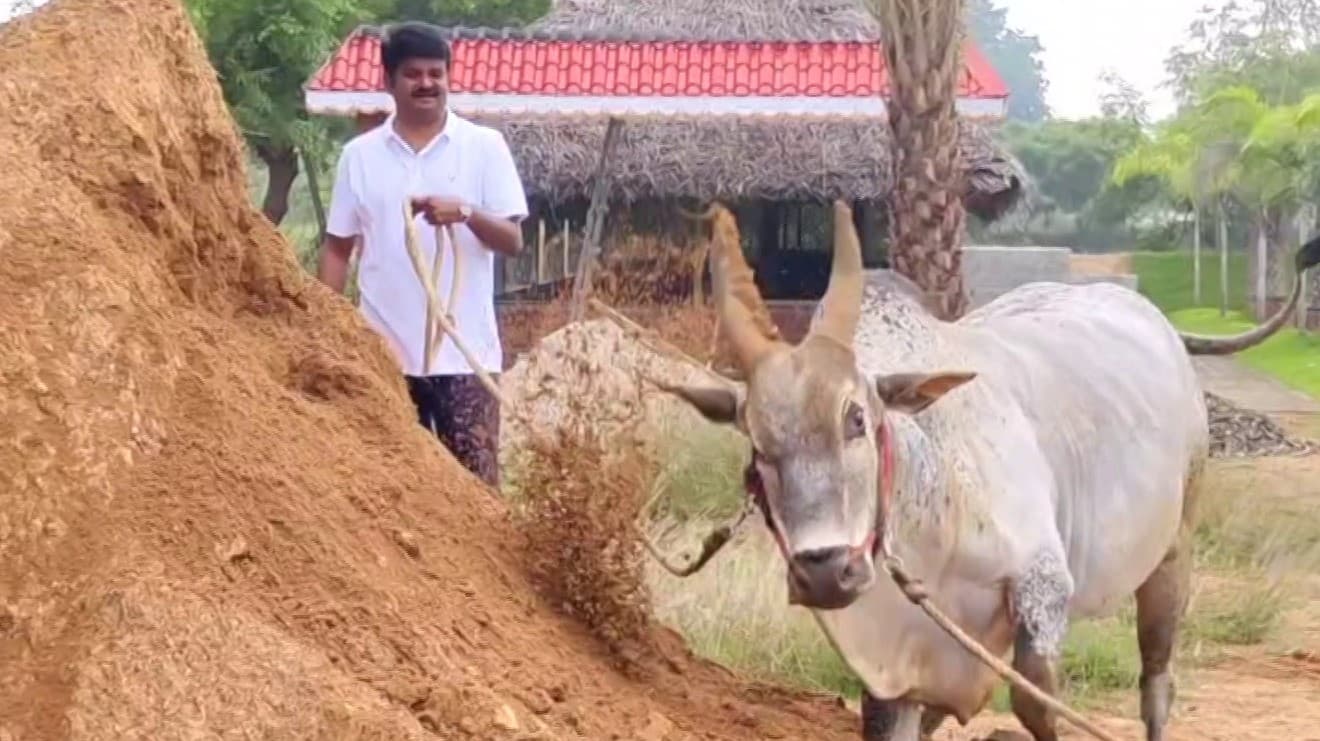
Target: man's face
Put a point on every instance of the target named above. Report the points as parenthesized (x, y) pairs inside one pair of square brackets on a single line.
[(421, 86)]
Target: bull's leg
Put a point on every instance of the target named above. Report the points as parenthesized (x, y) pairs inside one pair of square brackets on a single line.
[(1039, 670), (890, 720), (1040, 600), (931, 719), (1161, 602)]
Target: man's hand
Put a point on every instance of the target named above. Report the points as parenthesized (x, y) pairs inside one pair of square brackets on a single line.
[(501, 235), (440, 211)]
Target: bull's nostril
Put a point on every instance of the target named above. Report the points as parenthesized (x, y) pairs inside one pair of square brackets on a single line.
[(818, 556)]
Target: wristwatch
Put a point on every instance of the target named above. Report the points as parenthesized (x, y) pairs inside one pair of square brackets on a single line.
[(465, 211)]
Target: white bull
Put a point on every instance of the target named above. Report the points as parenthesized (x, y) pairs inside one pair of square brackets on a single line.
[(1043, 451)]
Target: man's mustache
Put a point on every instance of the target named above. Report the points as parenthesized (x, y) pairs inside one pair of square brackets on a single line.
[(427, 93)]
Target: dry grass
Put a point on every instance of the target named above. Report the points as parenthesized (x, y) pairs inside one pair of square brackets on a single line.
[(735, 612)]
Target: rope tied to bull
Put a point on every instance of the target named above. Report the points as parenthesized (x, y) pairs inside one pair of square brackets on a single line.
[(916, 593)]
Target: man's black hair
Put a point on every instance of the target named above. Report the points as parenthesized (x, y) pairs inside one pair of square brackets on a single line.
[(412, 40)]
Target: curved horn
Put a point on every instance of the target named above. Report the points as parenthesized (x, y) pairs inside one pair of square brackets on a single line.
[(841, 305), (743, 317)]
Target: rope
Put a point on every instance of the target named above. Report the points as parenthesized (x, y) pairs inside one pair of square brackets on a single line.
[(916, 593), (433, 303)]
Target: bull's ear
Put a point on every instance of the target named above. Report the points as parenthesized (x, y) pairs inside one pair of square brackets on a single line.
[(912, 392), (719, 405)]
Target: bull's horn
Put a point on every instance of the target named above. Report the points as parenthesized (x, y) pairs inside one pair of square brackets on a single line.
[(841, 305), (744, 320)]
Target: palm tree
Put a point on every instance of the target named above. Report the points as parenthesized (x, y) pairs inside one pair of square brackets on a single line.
[(922, 47), (1195, 171), (1273, 172), (1233, 145)]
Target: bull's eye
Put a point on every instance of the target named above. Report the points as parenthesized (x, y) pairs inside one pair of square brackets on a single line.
[(854, 421)]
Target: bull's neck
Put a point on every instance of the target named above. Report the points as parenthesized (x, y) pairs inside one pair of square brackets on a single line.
[(922, 497)]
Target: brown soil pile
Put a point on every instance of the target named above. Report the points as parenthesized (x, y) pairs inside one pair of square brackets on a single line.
[(218, 513)]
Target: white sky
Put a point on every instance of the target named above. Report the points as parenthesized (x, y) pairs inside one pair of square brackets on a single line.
[(1081, 39)]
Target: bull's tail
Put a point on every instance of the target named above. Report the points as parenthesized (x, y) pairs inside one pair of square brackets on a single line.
[(1307, 257)]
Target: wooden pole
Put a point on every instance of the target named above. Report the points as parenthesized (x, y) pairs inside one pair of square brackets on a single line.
[(314, 192), (1223, 260), (540, 252), (568, 238), (595, 223), (1196, 254), (1262, 264)]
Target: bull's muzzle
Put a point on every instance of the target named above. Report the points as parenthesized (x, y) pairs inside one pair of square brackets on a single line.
[(829, 578)]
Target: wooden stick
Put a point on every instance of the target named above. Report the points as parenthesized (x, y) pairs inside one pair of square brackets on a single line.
[(595, 222), (540, 252), (568, 240)]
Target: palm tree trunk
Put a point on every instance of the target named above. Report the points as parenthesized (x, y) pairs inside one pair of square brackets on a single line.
[(922, 47)]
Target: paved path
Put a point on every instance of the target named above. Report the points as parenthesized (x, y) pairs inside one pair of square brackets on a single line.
[(1249, 388)]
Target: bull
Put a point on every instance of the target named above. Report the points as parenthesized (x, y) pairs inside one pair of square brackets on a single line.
[(1031, 463)]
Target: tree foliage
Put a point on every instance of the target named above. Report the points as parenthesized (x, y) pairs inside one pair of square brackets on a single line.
[(265, 50), (1015, 55)]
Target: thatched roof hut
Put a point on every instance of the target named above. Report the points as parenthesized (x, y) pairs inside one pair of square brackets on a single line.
[(776, 106), (773, 159), (741, 20)]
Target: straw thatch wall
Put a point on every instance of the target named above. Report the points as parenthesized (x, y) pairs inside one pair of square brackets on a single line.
[(764, 20), (771, 159)]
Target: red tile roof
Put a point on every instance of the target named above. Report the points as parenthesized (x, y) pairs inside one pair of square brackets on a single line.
[(541, 66)]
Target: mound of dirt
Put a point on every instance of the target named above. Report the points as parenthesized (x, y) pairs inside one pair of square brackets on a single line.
[(219, 515), (593, 371), (1242, 433)]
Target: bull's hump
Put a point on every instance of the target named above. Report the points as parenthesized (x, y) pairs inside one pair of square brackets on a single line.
[(896, 332)]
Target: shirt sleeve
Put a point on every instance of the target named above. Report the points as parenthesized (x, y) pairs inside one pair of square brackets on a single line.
[(502, 189), (341, 218)]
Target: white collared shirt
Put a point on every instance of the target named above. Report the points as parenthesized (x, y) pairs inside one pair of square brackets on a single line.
[(377, 172)]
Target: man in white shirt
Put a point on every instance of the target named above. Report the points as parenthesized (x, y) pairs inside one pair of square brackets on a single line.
[(453, 171)]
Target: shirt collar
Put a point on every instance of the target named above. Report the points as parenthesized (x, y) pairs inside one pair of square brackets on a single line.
[(452, 122)]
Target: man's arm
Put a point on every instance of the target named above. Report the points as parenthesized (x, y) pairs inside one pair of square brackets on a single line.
[(341, 230), (503, 235), (497, 219), (499, 208), (335, 255)]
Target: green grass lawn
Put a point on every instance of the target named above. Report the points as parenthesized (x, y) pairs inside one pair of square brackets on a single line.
[(1166, 279)]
